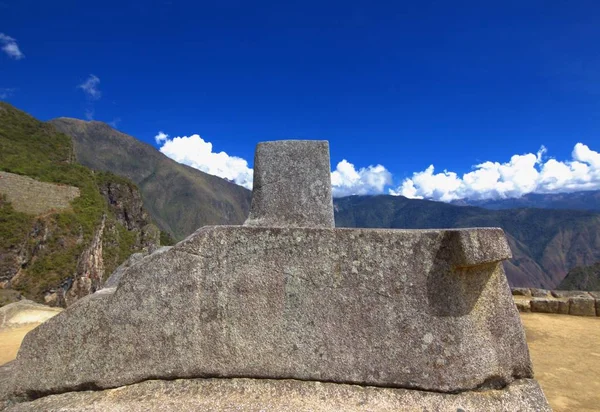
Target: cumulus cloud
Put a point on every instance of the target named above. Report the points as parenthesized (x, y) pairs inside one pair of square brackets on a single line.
[(198, 153), (522, 174), (161, 137), (346, 180), (90, 87), (10, 47)]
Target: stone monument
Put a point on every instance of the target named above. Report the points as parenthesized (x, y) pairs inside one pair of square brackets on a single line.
[(288, 313)]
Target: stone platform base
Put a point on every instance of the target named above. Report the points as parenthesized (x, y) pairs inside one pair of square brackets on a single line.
[(285, 395)]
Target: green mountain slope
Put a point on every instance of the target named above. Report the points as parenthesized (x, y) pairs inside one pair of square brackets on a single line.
[(180, 198), (57, 251), (546, 243), (582, 278)]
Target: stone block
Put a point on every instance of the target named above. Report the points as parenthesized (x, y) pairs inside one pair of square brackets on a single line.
[(563, 306), (292, 185), (422, 309), (544, 305), (523, 305), (582, 306), (521, 291), (568, 293), (540, 293)]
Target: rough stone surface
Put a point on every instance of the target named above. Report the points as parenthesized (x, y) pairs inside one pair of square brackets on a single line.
[(523, 305), (540, 293), (521, 291), (114, 279), (549, 305), (292, 185), (582, 306), (568, 293), (31, 196), (563, 307), (253, 395), (423, 309)]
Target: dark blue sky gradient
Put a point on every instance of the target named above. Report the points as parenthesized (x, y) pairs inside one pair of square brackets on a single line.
[(404, 84)]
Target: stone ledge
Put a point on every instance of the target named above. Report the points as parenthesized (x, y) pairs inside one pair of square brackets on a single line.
[(563, 302), (285, 395)]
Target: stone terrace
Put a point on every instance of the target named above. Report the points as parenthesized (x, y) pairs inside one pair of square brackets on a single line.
[(31, 196)]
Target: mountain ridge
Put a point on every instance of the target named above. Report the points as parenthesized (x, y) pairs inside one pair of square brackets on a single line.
[(179, 197), (546, 243), (61, 250)]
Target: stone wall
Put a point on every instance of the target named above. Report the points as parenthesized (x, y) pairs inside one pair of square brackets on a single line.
[(564, 302), (31, 196)]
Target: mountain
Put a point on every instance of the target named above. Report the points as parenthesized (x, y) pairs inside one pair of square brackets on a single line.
[(180, 198), (589, 200), (63, 227), (546, 243), (582, 278)]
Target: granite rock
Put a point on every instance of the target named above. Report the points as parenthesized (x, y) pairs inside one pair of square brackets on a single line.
[(568, 293), (521, 291), (254, 395), (292, 185), (422, 309), (540, 293), (582, 306), (115, 277), (523, 305)]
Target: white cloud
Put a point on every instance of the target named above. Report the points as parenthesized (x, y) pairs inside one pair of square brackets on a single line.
[(522, 174), (115, 122), (161, 137), (346, 180), (6, 93), (198, 153), (10, 47), (90, 87)]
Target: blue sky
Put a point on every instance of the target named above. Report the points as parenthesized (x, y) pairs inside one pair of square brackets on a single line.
[(404, 85)]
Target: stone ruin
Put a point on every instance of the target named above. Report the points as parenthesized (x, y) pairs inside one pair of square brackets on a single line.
[(289, 313)]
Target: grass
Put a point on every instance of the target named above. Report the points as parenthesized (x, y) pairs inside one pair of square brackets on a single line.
[(54, 243)]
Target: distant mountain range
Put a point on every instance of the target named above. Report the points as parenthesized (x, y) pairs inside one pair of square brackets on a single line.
[(582, 278), (546, 243), (575, 201)]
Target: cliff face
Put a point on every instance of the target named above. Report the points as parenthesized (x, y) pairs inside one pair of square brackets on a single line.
[(66, 249), (123, 229)]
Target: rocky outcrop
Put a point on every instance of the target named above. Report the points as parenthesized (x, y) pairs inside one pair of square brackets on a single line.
[(125, 202), (124, 228)]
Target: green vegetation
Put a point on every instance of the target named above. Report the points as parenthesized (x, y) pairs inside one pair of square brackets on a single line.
[(166, 239), (582, 278), (179, 198), (14, 225), (35, 149)]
